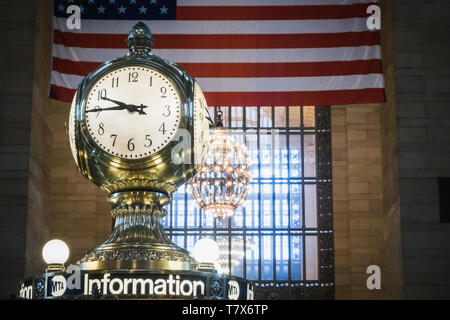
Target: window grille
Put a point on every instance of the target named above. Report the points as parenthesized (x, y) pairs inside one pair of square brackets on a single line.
[(282, 240)]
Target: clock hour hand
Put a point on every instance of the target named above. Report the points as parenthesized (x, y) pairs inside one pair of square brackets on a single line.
[(138, 109), (129, 107)]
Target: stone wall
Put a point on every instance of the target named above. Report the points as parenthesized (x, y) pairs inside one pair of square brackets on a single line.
[(17, 20), (39, 183), (365, 188), (358, 199), (422, 72)]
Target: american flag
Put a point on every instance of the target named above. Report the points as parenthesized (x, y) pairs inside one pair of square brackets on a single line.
[(242, 52)]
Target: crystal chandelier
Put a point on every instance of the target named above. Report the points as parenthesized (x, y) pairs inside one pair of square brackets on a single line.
[(220, 185)]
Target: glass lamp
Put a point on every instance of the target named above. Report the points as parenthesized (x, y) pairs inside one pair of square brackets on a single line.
[(55, 253), (206, 252)]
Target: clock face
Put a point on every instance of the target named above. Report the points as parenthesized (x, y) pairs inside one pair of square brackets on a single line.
[(201, 124), (133, 112)]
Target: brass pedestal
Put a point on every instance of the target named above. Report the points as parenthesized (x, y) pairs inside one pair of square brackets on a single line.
[(138, 240)]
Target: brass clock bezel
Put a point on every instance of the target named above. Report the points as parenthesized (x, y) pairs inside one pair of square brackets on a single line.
[(90, 88), (153, 62)]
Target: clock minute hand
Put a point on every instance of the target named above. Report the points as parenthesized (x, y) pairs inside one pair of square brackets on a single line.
[(106, 109), (123, 104)]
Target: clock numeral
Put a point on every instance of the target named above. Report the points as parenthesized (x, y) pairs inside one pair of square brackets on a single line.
[(162, 128), (98, 110), (167, 112), (101, 128), (163, 92), (115, 82), (102, 94), (114, 137), (147, 137), (130, 144), (132, 76)]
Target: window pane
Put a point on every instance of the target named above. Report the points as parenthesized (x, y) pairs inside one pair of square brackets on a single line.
[(266, 155), (310, 206), (225, 116), (282, 257), (296, 206), (296, 258), (310, 155), (295, 156), (309, 119), (267, 205), (280, 116), (251, 116), (280, 162), (265, 117), (237, 119), (311, 258), (267, 258), (281, 205), (252, 258), (224, 254), (294, 116), (252, 207)]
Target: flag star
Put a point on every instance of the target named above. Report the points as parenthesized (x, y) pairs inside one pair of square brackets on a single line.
[(132, 1), (143, 10), (60, 7), (112, 1), (70, 1), (163, 10), (152, 1), (101, 9), (82, 8), (121, 9), (91, 1)]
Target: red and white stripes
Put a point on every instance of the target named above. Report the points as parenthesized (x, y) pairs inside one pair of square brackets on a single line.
[(244, 52)]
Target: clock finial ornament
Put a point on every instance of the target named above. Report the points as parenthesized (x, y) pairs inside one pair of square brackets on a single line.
[(140, 38)]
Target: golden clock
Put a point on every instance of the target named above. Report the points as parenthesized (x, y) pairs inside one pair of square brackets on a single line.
[(131, 121)]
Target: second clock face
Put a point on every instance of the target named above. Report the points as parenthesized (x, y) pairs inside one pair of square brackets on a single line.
[(133, 112)]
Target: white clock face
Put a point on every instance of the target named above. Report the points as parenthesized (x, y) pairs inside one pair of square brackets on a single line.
[(201, 124), (133, 112)]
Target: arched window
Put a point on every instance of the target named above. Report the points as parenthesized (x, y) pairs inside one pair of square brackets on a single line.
[(282, 239)]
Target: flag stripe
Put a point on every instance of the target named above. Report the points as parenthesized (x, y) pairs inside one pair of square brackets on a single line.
[(262, 84), (298, 12), (222, 41), (221, 27), (183, 3), (229, 55), (268, 98), (62, 93), (290, 69), (339, 97)]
